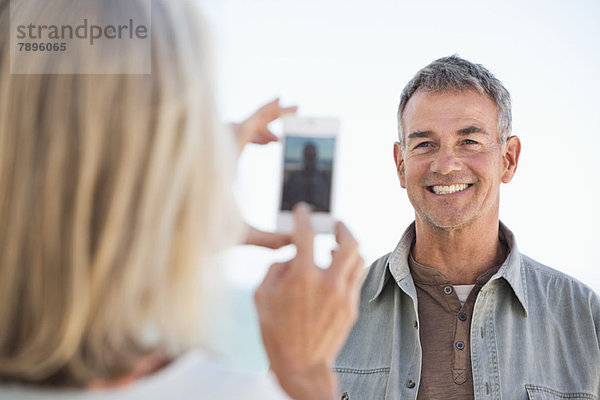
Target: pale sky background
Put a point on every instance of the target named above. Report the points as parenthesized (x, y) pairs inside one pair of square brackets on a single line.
[(351, 59)]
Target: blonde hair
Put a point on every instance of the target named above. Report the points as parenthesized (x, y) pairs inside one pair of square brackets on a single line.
[(114, 190)]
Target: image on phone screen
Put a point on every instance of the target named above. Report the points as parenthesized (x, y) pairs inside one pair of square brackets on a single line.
[(307, 172)]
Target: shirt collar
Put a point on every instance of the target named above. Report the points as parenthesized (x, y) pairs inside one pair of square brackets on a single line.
[(397, 262), (511, 270)]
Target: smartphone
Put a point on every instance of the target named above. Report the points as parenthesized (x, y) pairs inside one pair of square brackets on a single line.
[(309, 146)]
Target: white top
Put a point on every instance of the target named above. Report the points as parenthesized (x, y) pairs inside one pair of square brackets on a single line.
[(192, 376), (462, 291)]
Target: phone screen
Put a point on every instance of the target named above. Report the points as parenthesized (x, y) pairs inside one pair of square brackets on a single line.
[(307, 172)]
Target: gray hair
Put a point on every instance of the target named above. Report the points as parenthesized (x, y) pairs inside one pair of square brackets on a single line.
[(457, 74)]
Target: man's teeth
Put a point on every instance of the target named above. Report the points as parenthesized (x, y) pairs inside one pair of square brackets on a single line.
[(447, 189)]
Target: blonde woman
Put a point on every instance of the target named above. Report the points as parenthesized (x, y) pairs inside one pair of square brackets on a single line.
[(114, 193)]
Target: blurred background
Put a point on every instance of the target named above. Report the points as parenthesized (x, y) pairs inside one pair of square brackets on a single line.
[(351, 59)]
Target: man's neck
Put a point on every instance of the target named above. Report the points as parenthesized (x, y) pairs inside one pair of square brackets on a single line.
[(461, 254)]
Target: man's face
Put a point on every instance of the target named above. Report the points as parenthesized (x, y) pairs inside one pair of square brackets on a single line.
[(453, 164)]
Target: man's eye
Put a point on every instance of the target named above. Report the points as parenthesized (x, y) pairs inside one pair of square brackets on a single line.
[(469, 141), (422, 144)]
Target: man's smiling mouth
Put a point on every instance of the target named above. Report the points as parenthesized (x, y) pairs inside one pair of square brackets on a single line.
[(449, 189)]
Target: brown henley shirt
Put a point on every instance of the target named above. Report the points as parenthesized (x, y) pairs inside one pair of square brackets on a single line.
[(445, 334)]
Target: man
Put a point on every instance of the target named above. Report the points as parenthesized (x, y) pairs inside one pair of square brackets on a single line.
[(455, 311)]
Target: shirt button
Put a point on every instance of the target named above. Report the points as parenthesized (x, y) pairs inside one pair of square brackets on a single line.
[(448, 289), (345, 396), (460, 345), (462, 316), (410, 384)]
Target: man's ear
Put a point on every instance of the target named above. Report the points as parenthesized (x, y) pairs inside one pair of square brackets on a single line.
[(399, 160), (511, 153)]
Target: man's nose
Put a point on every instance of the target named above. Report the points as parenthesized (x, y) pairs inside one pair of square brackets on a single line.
[(445, 162)]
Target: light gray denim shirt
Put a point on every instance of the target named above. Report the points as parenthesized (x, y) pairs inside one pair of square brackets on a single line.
[(535, 333)]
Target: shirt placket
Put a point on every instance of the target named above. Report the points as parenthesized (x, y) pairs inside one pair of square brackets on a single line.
[(461, 344), (484, 351)]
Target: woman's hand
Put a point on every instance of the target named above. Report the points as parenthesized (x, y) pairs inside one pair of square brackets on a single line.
[(254, 129), (270, 240), (306, 313)]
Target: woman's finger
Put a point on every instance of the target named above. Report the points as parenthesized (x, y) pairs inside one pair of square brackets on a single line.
[(304, 234)]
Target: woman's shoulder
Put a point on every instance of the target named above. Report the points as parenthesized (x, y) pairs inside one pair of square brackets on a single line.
[(193, 375)]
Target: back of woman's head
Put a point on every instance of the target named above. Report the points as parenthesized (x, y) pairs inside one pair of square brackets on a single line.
[(113, 190)]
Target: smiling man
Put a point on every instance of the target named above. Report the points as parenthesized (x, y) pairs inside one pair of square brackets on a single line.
[(456, 311)]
